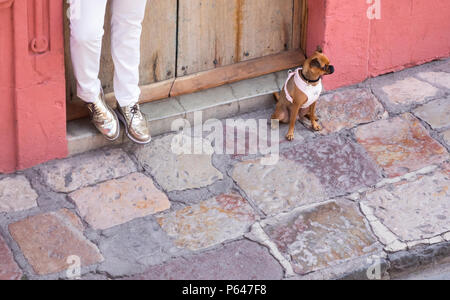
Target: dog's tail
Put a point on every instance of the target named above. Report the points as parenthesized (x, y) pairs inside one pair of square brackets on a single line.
[(277, 96)]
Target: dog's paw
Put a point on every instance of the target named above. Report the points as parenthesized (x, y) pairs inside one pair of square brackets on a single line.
[(290, 137), (316, 127)]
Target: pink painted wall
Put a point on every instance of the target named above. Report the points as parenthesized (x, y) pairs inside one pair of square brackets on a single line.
[(32, 84), (410, 32)]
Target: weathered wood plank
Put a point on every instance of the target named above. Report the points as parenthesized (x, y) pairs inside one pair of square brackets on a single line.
[(297, 24), (235, 72), (216, 33), (266, 27), (206, 35)]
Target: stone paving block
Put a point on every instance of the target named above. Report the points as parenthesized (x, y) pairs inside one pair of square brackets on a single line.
[(414, 210), (71, 174), (9, 270), (348, 108), (440, 79), (173, 169), (341, 165), (210, 222), (135, 246), (409, 91), (400, 145), (47, 240), (280, 187), (119, 200), (241, 260), (16, 194), (322, 236), (435, 113)]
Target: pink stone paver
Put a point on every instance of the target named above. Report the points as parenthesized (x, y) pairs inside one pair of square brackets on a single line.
[(118, 201), (8, 267), (241, 260), (414, 210), (400, 145), (47, 240), (70, 174), (348, 108), (322, 236), (341, 165), (16, 194), (210, 222)]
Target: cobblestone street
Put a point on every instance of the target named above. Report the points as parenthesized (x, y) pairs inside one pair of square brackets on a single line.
[(370, 190)]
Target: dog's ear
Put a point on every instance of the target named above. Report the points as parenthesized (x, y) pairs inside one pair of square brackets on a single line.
[(319, 49), (315, 63)]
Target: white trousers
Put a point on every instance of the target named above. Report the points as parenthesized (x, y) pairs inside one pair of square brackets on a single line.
[(86, 26)]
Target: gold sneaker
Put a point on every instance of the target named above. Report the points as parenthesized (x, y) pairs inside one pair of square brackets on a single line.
[(136, 125), (104, 118)]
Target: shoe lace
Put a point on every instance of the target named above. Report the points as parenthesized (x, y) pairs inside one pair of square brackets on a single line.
[(95, 110), (134, 112)]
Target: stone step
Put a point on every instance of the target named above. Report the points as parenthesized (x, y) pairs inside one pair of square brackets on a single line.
[(216, 103)]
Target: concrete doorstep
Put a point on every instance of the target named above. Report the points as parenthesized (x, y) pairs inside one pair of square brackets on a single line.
[(216, 103)]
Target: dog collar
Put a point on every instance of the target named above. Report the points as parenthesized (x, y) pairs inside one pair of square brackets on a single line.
[(308, 80)]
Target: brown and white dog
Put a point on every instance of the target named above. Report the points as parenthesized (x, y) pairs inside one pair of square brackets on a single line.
[(301, 91)]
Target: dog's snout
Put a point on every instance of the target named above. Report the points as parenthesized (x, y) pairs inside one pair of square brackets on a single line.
[(330, 69)]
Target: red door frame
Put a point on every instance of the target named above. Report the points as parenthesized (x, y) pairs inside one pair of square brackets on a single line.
[(32, 83)]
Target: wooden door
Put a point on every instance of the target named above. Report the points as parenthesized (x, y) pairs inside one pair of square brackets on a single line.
[(190, 45)]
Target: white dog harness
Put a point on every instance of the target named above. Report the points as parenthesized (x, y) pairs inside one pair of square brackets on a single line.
[(311, 91)]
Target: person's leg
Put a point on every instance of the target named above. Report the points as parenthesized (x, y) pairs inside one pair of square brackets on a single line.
[(86, 33), (126, 29)]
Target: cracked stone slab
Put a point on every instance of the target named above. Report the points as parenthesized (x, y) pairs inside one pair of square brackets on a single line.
[(134, 247), (321, 236), (209, 223), (87, 169), (409, 91), (119, 201), (47, 240), (241, 260), (9, 270), (280, 187), (414, 210), (400, 145), (435, 113), (16, 194), (348, 108), (170, 160), (441, 79), (341, 165)]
